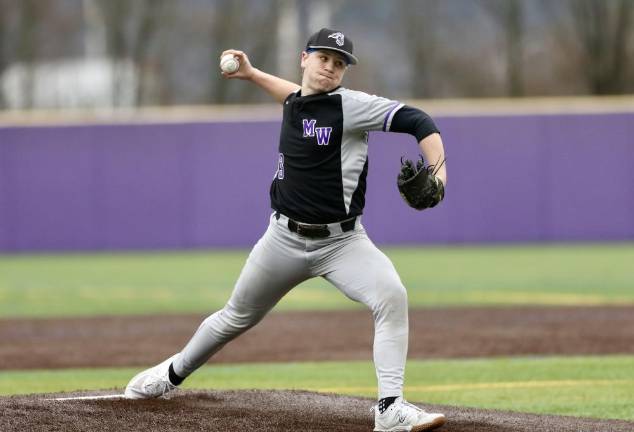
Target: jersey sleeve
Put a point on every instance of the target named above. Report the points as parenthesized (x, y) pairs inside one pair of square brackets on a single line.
[(364, 112), (413, 121)]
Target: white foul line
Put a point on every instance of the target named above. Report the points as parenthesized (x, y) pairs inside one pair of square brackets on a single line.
[(116, 396)]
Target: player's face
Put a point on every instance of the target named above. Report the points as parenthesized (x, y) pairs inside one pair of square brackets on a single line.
[(323, 70)]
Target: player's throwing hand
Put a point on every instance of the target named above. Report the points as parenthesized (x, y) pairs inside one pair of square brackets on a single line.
[(245, 70)]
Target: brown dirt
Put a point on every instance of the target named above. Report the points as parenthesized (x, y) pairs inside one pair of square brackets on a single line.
[(438, 333), (263, 411), (296, 336)]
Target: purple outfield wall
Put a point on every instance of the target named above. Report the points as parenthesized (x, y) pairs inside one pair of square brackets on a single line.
[(518, 178)]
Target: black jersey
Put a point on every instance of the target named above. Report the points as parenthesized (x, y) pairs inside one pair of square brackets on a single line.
[(323, 153)]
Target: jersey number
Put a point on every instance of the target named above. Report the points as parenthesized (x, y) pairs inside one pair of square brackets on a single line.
[(280, 167)]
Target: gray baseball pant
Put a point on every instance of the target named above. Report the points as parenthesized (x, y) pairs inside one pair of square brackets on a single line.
[(282, 259)]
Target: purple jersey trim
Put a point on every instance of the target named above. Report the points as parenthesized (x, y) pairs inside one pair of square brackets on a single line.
[(388, 116)]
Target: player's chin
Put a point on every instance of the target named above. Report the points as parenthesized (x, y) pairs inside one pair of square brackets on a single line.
[(327, 84)]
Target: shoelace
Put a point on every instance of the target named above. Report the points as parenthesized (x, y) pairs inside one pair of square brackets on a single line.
[(403, 402), (417, 409), (405, 410), (161, 384)]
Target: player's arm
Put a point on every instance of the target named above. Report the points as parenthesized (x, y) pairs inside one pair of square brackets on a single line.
[(277, 87), (434, 153), (417, 123)]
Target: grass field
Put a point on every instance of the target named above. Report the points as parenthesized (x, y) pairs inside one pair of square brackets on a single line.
[(601, 387), (142, 283), (145, 283)]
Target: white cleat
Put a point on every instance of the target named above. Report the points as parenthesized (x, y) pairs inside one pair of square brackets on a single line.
[(402, 416), (151, 383)]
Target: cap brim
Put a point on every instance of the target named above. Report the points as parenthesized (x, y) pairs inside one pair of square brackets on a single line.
[(351, 59)]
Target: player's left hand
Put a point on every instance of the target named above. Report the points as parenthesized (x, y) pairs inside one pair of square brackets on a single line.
[(418, 184)]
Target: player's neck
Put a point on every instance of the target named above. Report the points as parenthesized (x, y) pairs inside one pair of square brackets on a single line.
[(308, 90)]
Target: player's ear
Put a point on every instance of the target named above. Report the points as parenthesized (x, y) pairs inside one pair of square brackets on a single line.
[(303, 58)]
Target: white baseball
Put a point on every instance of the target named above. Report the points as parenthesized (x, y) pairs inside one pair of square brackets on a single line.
[(229, 64)]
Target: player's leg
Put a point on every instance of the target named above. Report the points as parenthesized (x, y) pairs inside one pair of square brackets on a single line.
[(363, 273), (274, 266), (271, 270)]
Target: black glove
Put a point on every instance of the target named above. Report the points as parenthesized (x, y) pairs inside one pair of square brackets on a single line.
[(418, 185)]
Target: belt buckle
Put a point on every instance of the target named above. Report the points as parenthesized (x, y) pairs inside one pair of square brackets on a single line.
[(313, 231)]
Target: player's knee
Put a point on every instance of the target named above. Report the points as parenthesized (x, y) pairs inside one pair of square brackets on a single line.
[(241, 319), (392, 298)]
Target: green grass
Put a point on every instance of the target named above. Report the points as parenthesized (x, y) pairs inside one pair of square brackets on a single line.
[(601, 387), (131, 283)]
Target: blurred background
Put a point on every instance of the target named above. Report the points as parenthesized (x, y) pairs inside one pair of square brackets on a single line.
[(117, 130), (117, 53)]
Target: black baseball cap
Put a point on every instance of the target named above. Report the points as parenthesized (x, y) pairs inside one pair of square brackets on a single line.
[(334, 40)]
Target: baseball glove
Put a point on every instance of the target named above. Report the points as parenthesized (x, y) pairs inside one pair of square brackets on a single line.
[(418, 184)]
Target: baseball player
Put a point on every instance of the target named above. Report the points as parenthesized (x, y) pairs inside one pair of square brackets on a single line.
[(317, 197)]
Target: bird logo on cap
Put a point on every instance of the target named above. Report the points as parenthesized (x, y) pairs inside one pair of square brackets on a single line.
[(338, 37)]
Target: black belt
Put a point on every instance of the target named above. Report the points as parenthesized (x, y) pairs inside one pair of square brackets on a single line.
[(316, 230)]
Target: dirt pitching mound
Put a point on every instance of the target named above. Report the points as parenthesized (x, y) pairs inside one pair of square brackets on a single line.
[(257, 411)]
